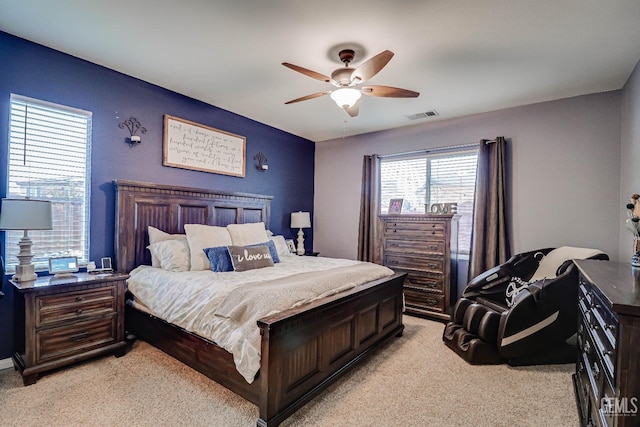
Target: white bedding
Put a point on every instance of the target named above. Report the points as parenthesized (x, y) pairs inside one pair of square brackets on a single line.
[(191, 299)]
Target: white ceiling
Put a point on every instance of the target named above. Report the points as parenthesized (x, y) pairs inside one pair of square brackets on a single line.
[(464, 57)]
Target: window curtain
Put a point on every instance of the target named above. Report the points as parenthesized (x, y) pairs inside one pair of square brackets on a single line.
[(490, 245), (369, 230)]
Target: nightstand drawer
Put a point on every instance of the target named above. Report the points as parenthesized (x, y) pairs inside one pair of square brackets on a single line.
[(75, 305), (54, 343)]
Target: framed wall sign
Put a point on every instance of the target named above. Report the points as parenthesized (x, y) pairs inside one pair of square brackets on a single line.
[(190, 145)]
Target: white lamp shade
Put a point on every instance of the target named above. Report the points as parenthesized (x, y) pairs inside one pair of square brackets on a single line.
[(300, 220), (25, 214), (345, 97)]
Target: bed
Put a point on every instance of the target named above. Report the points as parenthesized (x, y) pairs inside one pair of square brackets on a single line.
[(303, 350)]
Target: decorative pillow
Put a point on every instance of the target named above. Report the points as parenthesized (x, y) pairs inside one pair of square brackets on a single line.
[(247, 258), (281, 246), (173, 255), (204, 236), (272, 250), (156, 236), (219, 258), (247, 234)]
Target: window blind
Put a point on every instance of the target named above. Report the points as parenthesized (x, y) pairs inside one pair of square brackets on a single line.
[(49, 159), (427, 178)]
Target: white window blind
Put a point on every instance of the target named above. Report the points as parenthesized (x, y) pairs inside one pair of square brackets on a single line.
[(49, 159), (424, 179)]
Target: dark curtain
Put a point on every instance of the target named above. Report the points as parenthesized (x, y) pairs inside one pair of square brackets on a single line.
[(369, 232), (490, 245)]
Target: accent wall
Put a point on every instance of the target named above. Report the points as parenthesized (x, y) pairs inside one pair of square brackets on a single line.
[(39, 72)]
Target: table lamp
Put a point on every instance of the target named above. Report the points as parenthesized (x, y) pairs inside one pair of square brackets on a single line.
[(300, 220), (25, 214)]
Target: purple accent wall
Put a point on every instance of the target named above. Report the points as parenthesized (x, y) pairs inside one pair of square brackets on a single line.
[(35, 71)]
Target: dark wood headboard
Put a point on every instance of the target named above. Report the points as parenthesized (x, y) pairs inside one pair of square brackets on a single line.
[(169, 208)]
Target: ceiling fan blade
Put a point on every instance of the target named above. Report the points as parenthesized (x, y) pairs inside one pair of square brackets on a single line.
[(307, 72), (354, 109), (371, 67), (388, 92), (313, 95)]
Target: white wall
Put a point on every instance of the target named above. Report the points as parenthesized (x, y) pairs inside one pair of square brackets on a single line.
[(629, 154), (565, 172)]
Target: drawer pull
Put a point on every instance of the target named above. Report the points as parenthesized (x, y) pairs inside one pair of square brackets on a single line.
[(433, 247), (394, 245), (433, 232), (596, 371), (433, 265), (431, 302), (79, 311), (79, 298), (80, 337)]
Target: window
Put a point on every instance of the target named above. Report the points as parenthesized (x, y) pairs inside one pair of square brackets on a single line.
[(441, 176), (49, 159)]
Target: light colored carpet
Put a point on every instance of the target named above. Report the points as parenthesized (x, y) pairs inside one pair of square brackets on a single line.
[(414, 380)]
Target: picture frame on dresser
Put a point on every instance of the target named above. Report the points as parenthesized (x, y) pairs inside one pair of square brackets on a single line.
[(395, 206)]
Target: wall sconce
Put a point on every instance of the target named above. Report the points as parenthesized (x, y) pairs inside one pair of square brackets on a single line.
[(133, 125), (262, 161)]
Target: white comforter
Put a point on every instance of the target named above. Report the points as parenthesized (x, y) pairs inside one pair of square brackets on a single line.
[(198, 301)]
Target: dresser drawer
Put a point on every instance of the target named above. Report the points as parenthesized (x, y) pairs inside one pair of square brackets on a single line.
[(424, 301), (414, 262), (426, 282), (75, 305), (55, 343), (414, 230), (427, 246)]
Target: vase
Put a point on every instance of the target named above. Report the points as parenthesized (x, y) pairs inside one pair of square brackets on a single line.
[(635, 258)]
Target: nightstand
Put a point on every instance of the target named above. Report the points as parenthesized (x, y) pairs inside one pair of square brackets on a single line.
[(60, 321)]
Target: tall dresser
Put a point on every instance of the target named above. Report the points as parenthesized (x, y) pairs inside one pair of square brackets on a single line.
[(607, 378), (424, 247)]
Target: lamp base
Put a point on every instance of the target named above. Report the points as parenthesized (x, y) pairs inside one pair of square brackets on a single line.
[(25, 273), (300, 249)]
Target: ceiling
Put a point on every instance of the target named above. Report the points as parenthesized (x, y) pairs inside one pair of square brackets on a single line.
[(464, 57)]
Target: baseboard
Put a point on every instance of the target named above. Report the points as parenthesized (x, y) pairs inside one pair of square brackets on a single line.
[(6, 363)]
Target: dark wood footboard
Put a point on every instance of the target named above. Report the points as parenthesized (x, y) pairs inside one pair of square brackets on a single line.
[(303, 350)]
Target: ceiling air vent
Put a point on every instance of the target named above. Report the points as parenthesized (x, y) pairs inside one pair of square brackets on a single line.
[(423, 115)]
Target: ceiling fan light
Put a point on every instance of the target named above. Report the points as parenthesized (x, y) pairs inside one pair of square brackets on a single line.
[(345, 97)]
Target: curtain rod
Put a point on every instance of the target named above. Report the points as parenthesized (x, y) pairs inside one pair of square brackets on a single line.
[(431, 150)]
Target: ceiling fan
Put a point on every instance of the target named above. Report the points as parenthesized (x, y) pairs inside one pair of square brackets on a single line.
[(346, 79)]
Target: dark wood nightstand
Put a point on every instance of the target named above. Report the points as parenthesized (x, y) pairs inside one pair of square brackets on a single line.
[(60, 321)]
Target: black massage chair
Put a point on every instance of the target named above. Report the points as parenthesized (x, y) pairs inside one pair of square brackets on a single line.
[(521, 312)]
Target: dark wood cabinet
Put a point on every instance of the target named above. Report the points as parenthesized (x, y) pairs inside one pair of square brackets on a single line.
[(607, 378), (60, 321), (424, 247)]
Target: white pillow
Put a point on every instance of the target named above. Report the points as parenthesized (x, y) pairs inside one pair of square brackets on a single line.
[(248, 234), (172, 254), (281, 246), (204, 236), (156, 236), (554, 259)]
